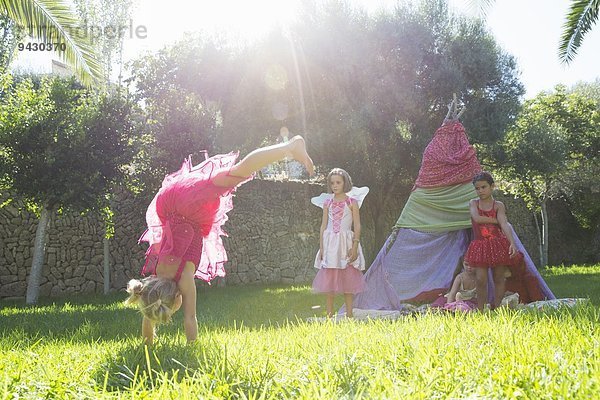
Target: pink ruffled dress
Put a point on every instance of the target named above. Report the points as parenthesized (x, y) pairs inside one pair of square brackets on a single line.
[(186, 216), (335, 274)]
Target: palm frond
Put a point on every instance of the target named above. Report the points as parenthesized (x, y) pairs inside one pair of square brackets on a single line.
[(53, 21), (481, 6), (583, 14)]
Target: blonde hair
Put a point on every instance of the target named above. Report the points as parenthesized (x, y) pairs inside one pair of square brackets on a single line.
[(345, 177), (155, 297)]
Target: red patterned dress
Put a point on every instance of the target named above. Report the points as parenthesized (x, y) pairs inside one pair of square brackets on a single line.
[(490, 248)]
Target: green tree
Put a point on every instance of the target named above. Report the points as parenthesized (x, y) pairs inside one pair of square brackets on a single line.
[(183, 89), (10, 36), (108, 19), (60, 148), (52, 21), (552, 151), (589, 90), (583, 188), (376, 88), (536, 153)]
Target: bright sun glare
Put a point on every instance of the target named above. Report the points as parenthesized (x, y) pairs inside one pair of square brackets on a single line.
[(240, 19)]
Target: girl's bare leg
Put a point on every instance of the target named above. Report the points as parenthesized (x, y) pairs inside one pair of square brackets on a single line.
[(348, 297), (330, 297), (481, 275), (259, 158), (499, 284)]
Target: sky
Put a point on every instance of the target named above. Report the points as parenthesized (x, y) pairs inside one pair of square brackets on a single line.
[(529, 30), (532, 36)]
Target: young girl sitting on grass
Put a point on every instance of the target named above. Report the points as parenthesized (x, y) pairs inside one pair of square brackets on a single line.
[(463, 292)]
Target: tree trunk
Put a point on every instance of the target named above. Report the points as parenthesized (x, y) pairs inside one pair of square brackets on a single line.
[(382, 231), (39, 251), (376, 203), (539, 231), (106, 255), (544, 235)]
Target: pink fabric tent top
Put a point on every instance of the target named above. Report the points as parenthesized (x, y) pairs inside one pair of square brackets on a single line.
[(448, 159)]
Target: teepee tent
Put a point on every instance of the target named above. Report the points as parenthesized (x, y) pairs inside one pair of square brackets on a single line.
[(418, 260)]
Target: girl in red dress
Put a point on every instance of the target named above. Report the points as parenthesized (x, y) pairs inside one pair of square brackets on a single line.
[(493, 245)]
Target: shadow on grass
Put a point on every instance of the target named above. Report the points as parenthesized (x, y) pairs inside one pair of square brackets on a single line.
[(138, 367), (207, 367), (89, 318)]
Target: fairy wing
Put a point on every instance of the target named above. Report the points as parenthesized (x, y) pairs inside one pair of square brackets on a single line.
[(357, 193), (319, 200)]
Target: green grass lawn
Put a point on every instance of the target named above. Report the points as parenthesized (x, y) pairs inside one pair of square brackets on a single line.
[(254, 343)]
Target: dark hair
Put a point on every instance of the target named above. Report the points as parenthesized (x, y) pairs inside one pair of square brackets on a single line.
[(483, 176)]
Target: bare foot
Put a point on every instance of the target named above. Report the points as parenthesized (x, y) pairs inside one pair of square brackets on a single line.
[(298, 151)]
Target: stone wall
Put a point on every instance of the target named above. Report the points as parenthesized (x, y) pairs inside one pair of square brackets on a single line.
[(273, 229), (74, 253), (274, 236)]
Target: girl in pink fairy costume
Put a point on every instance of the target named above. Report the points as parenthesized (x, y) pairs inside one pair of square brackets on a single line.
[(184, 229), (493, 245), (340, 258)]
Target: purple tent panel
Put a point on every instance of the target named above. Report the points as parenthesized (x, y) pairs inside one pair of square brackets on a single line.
[(420, 266)]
